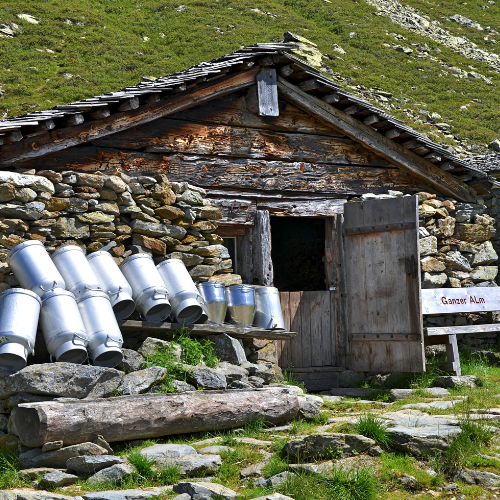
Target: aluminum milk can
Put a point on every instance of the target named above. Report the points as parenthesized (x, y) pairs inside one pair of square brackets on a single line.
[(19, 312), (215, 301), (113, 283), (33, 268), (149, 291), (268, 312), (241, 304), (184, 297), (62, 327), (105, 337), (75, 269)]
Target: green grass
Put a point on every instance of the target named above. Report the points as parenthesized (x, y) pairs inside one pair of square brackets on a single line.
[(109, 51), (373, 427), (289, 379), (473, 438), (9, 465), (193, 353)]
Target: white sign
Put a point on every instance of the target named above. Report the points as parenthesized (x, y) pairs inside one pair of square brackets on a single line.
[(454, 300)]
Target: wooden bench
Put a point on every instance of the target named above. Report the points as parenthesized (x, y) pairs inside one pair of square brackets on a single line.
[(453, 301)]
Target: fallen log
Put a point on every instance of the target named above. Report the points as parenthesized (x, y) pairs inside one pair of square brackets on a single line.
[(150, 415)]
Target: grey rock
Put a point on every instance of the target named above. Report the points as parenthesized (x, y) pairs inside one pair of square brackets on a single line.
[(232, 372), (494, 145), (57, 459), (419, 440), (332, 399), (397, 394), (428, 246), (24, 212), (132, 361), (254, 470), (181, 386), (25, 494), (195, 465), (274, 496), (256, 382), (317, 446), (62, 380), (140, 381), (35, 472), (486, 254), (436, 405), (205, 491), (208, 378), (112, 474), (308, 410), (452, 381), (100, 441), (184, 496), (35, 182), (434, 280), (160, 452), (455, 260), (150, 345), (126, 494), (261, 371), (156, 230), (351, 392), (470, 476), (86, 465), (274, 481), (18, 399), (215, 450), (410, 483), (375, 451), (239, 384), (190, 197), (227, 348), (53, 445), (57, 479)]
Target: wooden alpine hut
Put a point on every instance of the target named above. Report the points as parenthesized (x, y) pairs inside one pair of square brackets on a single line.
[(280, 149)]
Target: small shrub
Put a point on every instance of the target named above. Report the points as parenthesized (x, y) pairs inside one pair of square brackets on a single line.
[(360, 484), (372, 427)]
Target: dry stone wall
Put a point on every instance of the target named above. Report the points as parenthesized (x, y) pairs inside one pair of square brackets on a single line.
[(458, 248), (117, 213)]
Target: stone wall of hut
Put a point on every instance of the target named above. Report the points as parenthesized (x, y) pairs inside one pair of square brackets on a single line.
[(116, 213)]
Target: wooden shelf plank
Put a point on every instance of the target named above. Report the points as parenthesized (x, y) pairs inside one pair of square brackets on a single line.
[(203, 330)]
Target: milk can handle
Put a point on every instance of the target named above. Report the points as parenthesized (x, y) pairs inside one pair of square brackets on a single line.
[(160, 292), (54, 286), (120, 289), (87, 287), (84, 339)]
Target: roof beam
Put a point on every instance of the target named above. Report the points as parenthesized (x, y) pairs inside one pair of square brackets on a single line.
[(67, 137), (376, 142)]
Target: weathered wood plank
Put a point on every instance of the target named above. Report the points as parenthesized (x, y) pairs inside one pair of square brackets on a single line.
[(456, 300), (458, 330), (296, 322), (202, 330), (236, 173), (244, 255), (262, 262), (267, 92), (235, 211), (242, 111), (313, 208), (60, 139), (176, 136), (306, 316), (391, 151)]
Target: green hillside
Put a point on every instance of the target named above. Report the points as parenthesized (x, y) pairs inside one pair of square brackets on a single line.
[(83, 48)]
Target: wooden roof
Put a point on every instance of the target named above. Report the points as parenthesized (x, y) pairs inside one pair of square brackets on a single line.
[(35, 134)]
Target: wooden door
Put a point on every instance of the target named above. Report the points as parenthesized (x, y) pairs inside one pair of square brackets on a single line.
[(312, 356), (384, 317)]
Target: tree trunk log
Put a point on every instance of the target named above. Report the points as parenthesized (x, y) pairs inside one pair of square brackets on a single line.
[(150, 415)]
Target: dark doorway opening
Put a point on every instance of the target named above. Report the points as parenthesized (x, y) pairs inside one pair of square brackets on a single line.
[(298, 248)]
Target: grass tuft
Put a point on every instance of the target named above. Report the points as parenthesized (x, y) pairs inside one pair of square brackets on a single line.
[(373, 427), (9, 465), (360, 484)]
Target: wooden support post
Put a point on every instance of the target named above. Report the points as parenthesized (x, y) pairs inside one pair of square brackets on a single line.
[(100, 113), (453, 360), (73, 120), (262, 263), (129, 104)]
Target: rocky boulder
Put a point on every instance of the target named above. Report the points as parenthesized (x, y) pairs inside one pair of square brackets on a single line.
[(319, 446), (62, 380), (228, 349)]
